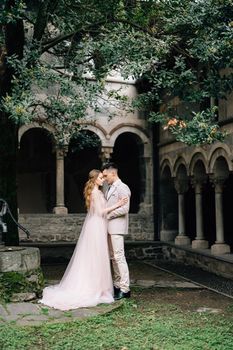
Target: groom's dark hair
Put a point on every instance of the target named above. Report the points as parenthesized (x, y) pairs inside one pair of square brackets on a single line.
[(109, 165)]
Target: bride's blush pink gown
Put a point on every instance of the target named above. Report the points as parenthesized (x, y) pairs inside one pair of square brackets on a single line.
[(87, 280)]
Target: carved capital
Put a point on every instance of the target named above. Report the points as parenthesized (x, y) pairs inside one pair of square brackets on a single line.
[(218, 182), (106, 153), (181, 185), (61, 152), (198, 183)]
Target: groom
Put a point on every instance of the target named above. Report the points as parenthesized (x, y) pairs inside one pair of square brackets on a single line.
[(117, 228)]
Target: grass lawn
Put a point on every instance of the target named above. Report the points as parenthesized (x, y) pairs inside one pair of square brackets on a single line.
[(152, 319)]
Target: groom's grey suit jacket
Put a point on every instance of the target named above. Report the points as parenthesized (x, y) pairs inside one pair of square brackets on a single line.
[(118, 219)]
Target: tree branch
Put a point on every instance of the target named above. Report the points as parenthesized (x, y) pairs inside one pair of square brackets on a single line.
[(136, 26), (91, 29), (41, 20), (53, 42)]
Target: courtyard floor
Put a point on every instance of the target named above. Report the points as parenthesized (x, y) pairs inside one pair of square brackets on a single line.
[(164, 312)]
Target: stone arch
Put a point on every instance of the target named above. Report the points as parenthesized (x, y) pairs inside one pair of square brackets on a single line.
[(168, 205), (220, 145), (166, 163), (142, 157), (196, 158), (98, 130), (36, 170), (199, 170), (128, 153), (134, 129), (219, 153), (166, 173), (220, 168), (181, 171), (80, 159), (26, 127), (179, 165)]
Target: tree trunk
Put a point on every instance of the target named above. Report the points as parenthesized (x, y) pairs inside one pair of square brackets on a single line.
[(14, 43), (8, 189)]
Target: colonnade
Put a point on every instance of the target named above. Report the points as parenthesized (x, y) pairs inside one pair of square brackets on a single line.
[(181, 186), (60, 207), (105, 156)]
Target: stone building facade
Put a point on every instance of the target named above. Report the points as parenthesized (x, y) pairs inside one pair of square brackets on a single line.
[(196, 189), (51, 178), (194, 184)]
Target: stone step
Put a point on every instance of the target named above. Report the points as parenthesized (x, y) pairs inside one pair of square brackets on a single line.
[(32, 314)]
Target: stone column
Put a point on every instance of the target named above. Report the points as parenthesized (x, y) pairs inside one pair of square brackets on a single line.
[(199, 242), (181, 186), (60, 203), (219, 247), (146, 207), (168, 216)]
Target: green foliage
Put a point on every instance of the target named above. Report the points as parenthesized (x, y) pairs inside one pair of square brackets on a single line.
[(84, 140), (179, 48), (44, 311), (133, 326), (201, 128), (9, 15), (17, 282), (196, 70), (41, 94), (13, 338)]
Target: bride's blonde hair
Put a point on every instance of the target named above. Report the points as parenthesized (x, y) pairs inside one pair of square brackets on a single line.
[(89, 185)]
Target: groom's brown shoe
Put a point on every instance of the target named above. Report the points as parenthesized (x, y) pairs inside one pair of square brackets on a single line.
[(122, 295)]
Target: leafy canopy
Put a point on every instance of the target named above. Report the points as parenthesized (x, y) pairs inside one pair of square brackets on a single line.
[(173, 48)]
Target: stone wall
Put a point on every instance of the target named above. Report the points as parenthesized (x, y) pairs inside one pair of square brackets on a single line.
[(67, 228), (21, 277), (143, 250), (61, 252), (203, 259)]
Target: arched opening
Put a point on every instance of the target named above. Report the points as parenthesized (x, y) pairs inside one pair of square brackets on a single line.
[(221, 168), (128, 155), (190, 211), (199, 170), (220, 175), (82, 156), (208, 197), (227, 200), (36, 172), (199, 185), (168, 207), (189, 201)]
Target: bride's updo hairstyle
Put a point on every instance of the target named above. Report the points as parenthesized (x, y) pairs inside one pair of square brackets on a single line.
[(89, 185)]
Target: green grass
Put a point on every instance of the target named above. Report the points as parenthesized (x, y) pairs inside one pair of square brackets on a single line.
[(152, 325), (15, 282)]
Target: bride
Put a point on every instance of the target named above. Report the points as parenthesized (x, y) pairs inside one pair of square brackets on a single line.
[(87, 280)]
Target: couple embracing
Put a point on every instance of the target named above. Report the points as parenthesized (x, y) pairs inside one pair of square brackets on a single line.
[(87, 280)]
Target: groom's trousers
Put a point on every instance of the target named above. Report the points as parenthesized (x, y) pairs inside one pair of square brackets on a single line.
[(119, 264)]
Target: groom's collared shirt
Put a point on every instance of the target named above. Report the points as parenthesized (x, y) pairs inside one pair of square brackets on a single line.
[(107, 191)]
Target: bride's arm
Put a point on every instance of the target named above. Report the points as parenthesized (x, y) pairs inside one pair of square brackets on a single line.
[(96, 205), (120, 203)]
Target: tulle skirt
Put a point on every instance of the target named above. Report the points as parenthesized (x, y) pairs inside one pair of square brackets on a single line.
[(87, 280)]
